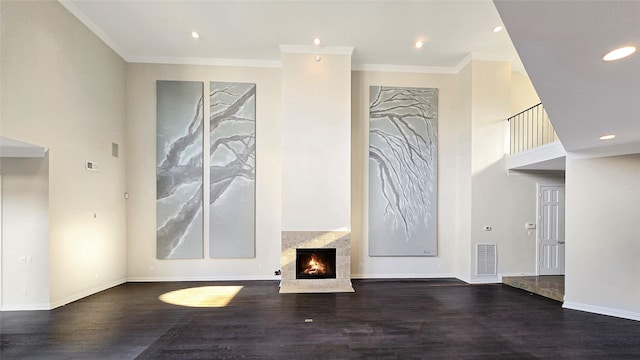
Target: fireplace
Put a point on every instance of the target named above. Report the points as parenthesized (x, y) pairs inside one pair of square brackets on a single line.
[(316, 263), (302, 254)]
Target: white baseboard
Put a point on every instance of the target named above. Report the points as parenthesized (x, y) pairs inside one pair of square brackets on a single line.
[(201, 278), (484, 280), (401, 276), (83, 294), (602, 310), (26, 307)]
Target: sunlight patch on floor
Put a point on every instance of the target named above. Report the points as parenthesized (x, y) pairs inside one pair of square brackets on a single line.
[(203, 296)]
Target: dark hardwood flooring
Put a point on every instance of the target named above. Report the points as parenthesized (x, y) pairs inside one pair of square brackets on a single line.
[(383, 319)]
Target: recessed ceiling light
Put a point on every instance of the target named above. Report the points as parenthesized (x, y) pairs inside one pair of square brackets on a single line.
[(497, 29), (607, 137), (619, 53), (195, 35), (419, 44), (316, 41)]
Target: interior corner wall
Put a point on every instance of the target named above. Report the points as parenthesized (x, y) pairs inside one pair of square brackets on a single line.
[(25, 233), (142, 264), (602, 235), (442, 265), (463, 117), (63, 89)]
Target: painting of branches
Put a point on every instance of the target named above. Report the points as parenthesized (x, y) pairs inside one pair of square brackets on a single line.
[(403, 154), (179, 169), (232, 170)]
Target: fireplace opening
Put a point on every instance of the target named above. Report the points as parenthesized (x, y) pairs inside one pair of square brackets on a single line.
[(316, 263)]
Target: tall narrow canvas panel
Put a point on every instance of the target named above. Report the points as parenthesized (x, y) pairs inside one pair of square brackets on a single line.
[(179, 169), (232, 170), (403, 171)]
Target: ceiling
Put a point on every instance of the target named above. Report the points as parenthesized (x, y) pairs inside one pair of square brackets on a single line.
[(250, 32), (560, 43)]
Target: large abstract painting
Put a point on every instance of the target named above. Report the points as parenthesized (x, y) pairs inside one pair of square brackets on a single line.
[(179, 169), (232, 170), (403, 169)]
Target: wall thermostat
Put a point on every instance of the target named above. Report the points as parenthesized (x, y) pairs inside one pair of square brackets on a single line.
[(92, 166)]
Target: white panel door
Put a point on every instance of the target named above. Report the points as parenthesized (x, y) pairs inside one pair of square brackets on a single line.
[(551, 230)]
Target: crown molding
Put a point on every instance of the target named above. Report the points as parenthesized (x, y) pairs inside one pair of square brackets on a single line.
[(205, 61), (316, 50), (405, 69)]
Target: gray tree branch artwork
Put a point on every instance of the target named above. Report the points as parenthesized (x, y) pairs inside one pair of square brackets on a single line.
[(232, 169), (402, 171), (179, 177)]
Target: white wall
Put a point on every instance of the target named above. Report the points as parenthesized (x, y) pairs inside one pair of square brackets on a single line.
[(362, 265), (25, 233), (602, 235), (501, 201), (316, 142), (63, 89), (141, 175)]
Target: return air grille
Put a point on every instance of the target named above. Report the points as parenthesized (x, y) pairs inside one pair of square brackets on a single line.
[(486, 259)]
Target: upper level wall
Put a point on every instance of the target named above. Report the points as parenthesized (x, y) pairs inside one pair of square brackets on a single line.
[(523, 94)]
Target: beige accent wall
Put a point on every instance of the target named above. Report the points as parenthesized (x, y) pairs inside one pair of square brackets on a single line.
[(142, 264), (362, 265), (63, 89)]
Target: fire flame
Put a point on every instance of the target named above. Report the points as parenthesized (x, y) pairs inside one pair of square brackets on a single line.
[(315, 266)]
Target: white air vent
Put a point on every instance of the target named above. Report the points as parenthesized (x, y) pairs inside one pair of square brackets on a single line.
[(486, 259)]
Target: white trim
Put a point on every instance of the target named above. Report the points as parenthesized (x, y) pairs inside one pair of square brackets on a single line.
[(467, 59), (411, 69), (316, 50), (402, 276), (83, 294), (485, 280), (202, 278), (602, 310), (205, 61), (26, 307), (73, 9)]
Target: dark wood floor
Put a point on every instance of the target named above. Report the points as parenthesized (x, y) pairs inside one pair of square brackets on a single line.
[(417, 319)]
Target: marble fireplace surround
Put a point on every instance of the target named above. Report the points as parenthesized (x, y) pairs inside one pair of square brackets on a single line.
[(292, 240)]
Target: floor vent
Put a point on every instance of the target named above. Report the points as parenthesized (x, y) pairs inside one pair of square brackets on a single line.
[(486, 259)]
